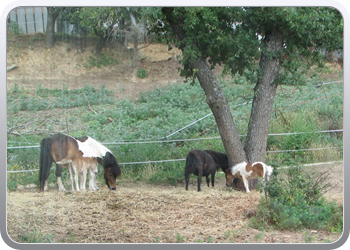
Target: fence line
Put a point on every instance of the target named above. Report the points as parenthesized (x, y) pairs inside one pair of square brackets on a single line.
[(183, 159), (184, 140), (177, 131), (174, 160)]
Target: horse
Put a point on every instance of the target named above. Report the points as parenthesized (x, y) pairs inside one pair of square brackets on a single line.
[(199, 163), (247, 171), (105, 157), (83, 164), (220, 159), (63, 150), (66, 150)]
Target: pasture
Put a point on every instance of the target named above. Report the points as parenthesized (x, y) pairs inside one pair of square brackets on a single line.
[(147, 213), (145, 124)]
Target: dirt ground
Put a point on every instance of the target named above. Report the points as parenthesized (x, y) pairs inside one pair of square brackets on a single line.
[(145, 213), (136, 212), (64, 65)]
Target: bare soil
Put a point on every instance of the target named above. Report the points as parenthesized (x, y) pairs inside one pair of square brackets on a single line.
[(65, 64), (135, 212)]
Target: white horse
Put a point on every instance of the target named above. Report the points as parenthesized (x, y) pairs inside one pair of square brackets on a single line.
[(247, 171)]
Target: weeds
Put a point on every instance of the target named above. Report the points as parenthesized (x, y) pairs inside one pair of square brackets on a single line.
[(142, 73), (298, 202), (101, 60), (156, 115)]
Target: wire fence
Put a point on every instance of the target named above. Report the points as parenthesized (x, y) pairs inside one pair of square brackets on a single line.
[(166, 140), (183, 159)]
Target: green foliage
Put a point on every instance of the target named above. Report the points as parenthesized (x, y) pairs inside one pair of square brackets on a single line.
[(14, 29), (102, 60), (207, 33), (142, 73), (168, 174), (46, 99), (36, 237), (180, 238), (297, 202), (159, 113)]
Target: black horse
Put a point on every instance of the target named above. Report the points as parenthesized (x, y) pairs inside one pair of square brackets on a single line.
[(220, 159), (199, 163)]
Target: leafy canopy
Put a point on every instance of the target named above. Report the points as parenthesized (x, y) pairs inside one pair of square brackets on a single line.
[(234, 36)]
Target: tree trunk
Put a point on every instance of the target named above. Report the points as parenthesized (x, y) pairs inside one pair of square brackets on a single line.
[(221, 111), (264, 95), (215, 97), (52, 15)]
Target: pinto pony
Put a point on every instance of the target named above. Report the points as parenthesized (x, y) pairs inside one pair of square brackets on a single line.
[(105, 157), (199, 163), (247, 171), (78, 154)]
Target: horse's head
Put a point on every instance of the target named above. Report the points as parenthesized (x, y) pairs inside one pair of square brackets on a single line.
[(110, 178), (229, 177), (111, 173)]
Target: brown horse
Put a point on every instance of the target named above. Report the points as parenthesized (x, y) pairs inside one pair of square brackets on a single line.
[(247, 171), (199, 163), (77, 154)]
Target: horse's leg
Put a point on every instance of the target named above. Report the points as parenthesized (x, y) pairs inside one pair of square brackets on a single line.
[(70, 169), (76, 176), (246, 184), (212, 179), (45, 186), (187, 179), (58, 177), (207, 180), (83, 174), (200, 173), (92, 180)]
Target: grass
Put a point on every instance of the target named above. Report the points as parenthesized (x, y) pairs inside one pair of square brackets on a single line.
[(159, 113)]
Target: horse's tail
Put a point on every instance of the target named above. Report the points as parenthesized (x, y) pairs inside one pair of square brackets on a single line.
[(45, 161), (191, 161), (268, 171)]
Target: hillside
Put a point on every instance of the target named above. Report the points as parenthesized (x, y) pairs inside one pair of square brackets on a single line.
[(65, 64)]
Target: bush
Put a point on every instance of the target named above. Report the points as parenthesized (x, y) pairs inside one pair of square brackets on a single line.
[(102, 60), (142, 73), (298, 202)]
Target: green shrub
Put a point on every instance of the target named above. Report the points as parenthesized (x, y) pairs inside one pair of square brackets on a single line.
[(101, 60), (142, 73), (298, 202)]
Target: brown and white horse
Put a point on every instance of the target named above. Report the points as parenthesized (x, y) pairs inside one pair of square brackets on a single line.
[(79, 155), (247, 171)]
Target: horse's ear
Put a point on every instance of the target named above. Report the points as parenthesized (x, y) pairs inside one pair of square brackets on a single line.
[(227, 172)]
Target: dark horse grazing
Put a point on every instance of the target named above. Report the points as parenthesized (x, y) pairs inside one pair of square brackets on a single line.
[(220, 159), (64, 149), (199, 163)]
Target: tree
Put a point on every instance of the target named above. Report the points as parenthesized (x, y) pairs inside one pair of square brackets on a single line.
[(287, 35), (182, 22), (99, 19), (231, 36), (52, 14)]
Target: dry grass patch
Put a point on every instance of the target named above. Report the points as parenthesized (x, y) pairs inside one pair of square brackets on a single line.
[(141, 213)]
